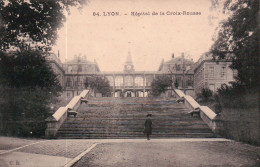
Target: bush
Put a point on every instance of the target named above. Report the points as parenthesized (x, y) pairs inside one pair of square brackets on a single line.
[(99, 85), (28, 86), (23, 111), (160, 84), (205, 95), (237, 96)]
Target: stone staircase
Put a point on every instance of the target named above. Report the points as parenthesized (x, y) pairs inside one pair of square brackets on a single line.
[(125, 117)]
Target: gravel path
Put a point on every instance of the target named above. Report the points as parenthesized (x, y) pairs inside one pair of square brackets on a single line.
[(183, 154)]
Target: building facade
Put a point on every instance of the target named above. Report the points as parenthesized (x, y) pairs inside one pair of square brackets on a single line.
[(187, 75), (212, 74)]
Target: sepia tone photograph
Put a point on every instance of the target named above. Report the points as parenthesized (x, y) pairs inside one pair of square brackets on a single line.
[(114, 83)]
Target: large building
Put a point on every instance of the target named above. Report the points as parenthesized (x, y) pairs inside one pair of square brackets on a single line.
[(212, 74), (181, 72), (189, 76)]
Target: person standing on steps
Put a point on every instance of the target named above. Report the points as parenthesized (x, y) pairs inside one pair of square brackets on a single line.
[(148, 126)]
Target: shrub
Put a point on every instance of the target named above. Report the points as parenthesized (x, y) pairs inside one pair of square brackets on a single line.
[(99, 85), (237, 96), (160, 84), (27, 88), (205, 95)]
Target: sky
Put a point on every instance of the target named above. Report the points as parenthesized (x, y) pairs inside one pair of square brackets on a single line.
[(149, 38)]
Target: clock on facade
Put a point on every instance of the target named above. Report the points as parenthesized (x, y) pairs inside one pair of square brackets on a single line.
[(128, 67)]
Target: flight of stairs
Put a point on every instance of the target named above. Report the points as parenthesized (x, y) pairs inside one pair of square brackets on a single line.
[(125, 117)]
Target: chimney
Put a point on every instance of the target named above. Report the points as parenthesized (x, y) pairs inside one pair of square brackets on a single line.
[(172, 55)]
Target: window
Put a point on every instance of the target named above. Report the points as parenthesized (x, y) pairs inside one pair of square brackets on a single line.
[(179, 81), (211, 72), (189, 81), (79, 68), (129, 81), (78, 82), (148, 83), (139, 81), (223, 72), (178, 67), (69, 83), (68, 94), (119, 81)]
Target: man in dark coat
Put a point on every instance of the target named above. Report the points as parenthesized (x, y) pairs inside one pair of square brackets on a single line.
[(148, 126)]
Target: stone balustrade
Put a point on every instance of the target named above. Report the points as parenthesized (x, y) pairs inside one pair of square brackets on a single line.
[(179, 93), (206, 114), (190, 102), (74, 103), (212, 119), (84, 93), (55, 121)]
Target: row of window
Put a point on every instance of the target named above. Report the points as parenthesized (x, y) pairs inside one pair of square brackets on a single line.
[(79, 68), (129, 81), (210, 73), (178, 67)]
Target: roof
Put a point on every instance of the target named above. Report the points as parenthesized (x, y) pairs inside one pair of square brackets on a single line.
[(179, 60), (79, 60)]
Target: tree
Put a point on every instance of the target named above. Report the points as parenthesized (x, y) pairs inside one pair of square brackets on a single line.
[(99, 85), (204, 95), (160, 84), (238, 39), (28, 85), (36, 20), (27, 69)]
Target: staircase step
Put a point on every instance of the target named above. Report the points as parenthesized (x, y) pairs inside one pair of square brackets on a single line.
[(113, 118), (112, 136)]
